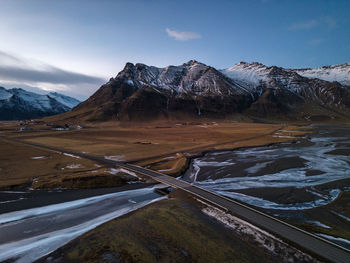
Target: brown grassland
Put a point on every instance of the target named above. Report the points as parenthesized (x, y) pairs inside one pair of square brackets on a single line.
[(163, 146), (166, 231)]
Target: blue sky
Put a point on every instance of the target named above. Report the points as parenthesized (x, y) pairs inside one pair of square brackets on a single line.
[(86, 42)]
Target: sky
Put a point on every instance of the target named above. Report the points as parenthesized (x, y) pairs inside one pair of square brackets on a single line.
[(74, 46)]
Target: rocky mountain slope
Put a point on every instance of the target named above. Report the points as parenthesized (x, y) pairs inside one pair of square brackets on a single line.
[(18, 104), (141, 92)]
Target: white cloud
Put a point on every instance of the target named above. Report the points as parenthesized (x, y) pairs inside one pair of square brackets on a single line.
[(326, 21), (304, 25), (182, 36), (16, 71)]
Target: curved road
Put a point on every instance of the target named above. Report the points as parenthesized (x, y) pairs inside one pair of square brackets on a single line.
[(312, 243)]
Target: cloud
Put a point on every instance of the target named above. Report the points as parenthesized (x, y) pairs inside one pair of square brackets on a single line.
[(50, 75), (17, 71), (182, 36), (304, 25), (326, 21)]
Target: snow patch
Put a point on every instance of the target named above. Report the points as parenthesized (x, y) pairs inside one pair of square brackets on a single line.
[(115, 157), (65, 100), (264, 239), (73, 166), (317, 223), (38, 157), (341, 216), (340, 73), (336, 239), (71, 155), (122, 170)]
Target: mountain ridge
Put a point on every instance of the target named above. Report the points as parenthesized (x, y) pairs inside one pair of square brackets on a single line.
[(193, 89), (18, 104)]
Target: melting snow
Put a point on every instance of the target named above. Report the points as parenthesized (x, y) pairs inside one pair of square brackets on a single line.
[(342, 216), (38, 157), (341, 240), (318, 223), (333, 167), (71, 155), (116, 171), (264, 239), (340, 73), (73, 166), (115, 157)]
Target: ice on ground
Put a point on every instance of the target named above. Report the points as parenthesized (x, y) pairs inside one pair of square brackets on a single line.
[(115, 157), (341, 216), (259, 202), (263, 238), (201, 163), (336, 239), (257, 167), (32, 212), (38, 157), (165, 170), (119, 170), (11, 201), (317, 223), (331, 167), (71, 155), (33, 248), (73, 166)]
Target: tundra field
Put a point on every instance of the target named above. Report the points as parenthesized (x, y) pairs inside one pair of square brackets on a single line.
[(163, 146)]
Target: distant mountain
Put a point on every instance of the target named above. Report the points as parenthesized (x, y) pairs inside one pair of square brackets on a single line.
[(286, 92), (65, 100), (339, 73), (18, 104), (141, 92)]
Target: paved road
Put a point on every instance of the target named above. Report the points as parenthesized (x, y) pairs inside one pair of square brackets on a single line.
[(310, 242)]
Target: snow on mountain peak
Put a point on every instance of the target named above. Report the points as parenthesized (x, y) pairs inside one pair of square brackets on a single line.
[(4, 94), (192, 76), (249, 75), (65, 100), (340, 73), (17, 103)]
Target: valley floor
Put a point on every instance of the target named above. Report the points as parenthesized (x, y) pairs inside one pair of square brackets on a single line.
[(179, 229), (163, 146)]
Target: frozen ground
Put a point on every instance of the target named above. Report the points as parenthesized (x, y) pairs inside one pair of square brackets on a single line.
[(280, 166), (27, 235)]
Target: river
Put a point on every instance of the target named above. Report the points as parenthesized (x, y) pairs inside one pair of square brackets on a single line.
[(281, 176)]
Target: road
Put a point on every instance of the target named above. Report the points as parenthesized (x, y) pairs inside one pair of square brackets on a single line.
[(319, 246)]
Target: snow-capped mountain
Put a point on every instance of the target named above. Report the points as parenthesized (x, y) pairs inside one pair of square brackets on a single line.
[(254, 74), (65, 100), (339, 73), (21, 104), (250, 75), (193, 77), (144, 92), (259, 78), (195, 89)]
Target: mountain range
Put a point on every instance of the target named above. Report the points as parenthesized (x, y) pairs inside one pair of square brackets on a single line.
[(193, 89), (196, 90), (19, 104)]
